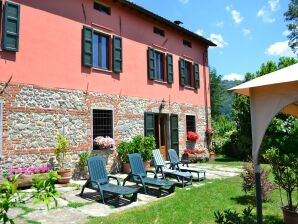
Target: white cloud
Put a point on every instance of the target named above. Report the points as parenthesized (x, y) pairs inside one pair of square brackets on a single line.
[(228, 7), (286, 33), (280, 49), (220, 24), (273, 4), (236, 16), (200, 32), (246, 32), (233, 76), (265, 15), (218, 40), (184, 1)]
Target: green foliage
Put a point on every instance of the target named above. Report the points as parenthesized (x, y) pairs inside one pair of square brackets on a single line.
[(224, 128), (232, 217), (61, 149), (44, 186), (139, 144), (9, 197), (285, 171), (291, 16), (217, 93), (83, 158)]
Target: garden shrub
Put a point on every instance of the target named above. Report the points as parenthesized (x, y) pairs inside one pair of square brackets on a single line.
[(232, 217), (248, 182)]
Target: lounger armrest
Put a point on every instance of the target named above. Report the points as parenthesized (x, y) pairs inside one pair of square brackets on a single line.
[(115, 178), (151, 171), (137, 175), (95, 182)]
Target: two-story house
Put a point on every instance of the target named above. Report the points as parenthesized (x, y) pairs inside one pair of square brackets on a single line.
[(96, 68)]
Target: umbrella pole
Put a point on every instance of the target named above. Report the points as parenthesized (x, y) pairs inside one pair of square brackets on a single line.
[(258, 192)]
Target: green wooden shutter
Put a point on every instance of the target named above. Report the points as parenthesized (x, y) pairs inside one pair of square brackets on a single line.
[(170, 72), (87, 48), (149, 123), (174, 132), (182, 71), (11, 29), (151, 65), (117, 54), (196, 76)]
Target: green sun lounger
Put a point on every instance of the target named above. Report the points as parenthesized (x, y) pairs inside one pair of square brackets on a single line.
[(160, 167), (175, 162), (100, 181), (139, 175)]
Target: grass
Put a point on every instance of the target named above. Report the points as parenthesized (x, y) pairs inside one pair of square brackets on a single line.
[(196, 205), (223, 160)]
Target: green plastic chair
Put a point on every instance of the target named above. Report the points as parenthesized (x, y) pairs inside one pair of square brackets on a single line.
[(100, 181), (160, 167), (175, 162), (139, 175)]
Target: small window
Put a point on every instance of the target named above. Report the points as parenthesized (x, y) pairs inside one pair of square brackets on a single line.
[(102, 123), (102, 8), (159, 31), (187, 43), (188, 70), (190, 123), (101, 51), (159, 66)]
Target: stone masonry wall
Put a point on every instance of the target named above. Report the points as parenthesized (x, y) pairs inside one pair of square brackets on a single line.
[(32, 117)]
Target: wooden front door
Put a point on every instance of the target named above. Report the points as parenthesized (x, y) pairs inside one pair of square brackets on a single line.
[(161, 134)]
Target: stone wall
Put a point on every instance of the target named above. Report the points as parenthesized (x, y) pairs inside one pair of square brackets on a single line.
[(33, 116)]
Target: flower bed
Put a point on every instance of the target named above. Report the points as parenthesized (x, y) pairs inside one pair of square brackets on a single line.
[(195, 155)]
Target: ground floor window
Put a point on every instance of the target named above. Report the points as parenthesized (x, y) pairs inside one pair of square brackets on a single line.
[(102, 123), (190, 123)]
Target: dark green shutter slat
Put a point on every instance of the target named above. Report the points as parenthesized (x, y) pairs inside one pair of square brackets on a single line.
[(149, 122), (11, 28), (174, 132), (87, 50), (182, 71), (117, 54), (170, 72), (196, 76), (151, 65)]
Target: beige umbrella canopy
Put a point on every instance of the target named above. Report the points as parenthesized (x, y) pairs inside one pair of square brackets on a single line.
[(269, 94)]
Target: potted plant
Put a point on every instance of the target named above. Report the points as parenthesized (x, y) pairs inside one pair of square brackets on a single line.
[(61, 152), (101, 142), (285, 171), (123, 149), (149, 146), (192, 137), (83, 158)]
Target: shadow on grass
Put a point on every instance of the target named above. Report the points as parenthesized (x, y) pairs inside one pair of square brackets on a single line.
[(270, 219), (244, 200), (225, 159)]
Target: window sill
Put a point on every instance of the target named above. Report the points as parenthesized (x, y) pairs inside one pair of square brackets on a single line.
[(102, 70), (189, 87), (160, 82)]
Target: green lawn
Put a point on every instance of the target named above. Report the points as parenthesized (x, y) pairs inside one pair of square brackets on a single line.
[(195, 205)]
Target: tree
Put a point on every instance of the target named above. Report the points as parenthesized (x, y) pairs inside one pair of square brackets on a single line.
[(291, 16), (217, 93)]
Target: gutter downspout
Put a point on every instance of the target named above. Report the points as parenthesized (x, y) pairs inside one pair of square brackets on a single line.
[(205, 64)]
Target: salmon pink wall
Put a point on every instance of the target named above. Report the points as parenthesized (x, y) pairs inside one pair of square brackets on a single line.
[(50, 51)]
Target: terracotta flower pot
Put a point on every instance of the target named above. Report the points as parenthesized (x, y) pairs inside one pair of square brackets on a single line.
[(146, 164), (126, 168), (65, 176), (290, 217), (212, 156), (25, 181)]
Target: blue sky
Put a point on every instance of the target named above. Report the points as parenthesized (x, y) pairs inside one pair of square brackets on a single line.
[(247, 32)]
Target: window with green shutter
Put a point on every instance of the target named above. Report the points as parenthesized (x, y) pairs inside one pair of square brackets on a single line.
[(151, 64), (174, 132), (149, 124), (11, 26), (196, 76), (182, 71), (170, 71), (87, 48), (117, 54)]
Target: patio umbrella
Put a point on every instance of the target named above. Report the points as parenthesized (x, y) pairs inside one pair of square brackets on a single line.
[(269, 94)]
